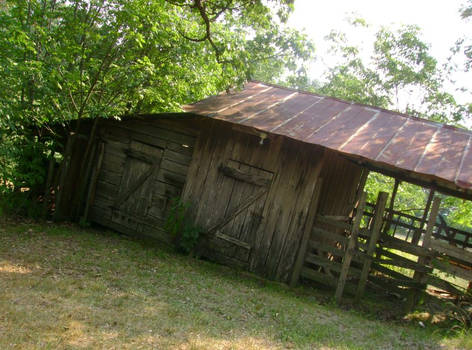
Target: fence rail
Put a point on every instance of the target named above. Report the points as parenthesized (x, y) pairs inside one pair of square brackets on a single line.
[(376, 249), (403, 225)]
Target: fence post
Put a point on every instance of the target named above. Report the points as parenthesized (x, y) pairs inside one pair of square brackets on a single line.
[(374, 237), (417, 233), (350, 249), (421, 276), (306, 233), (392, 203)]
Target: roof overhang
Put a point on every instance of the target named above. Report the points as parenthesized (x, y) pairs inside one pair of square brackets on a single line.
[(408, 148)]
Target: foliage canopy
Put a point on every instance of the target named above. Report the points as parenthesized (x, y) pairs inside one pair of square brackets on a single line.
[(64, 60)]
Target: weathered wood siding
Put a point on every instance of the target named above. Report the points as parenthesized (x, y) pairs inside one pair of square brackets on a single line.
[(264, 237), (145, 164), (340, 180), (252, 198)]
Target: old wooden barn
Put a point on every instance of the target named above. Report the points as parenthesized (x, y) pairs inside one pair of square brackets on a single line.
[(264, 171)]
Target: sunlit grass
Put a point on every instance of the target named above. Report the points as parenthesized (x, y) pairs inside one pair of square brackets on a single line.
[(67, 288)]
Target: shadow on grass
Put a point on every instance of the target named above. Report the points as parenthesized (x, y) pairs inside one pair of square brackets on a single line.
[(88, 288)]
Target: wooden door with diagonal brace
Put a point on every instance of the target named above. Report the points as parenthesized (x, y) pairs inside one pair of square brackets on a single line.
[(239, 205), (131, 204)]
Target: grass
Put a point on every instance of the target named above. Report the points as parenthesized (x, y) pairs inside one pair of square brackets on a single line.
[(63, 287)]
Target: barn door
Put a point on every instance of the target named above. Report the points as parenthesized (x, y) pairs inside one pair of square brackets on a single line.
[(131, 204), (238, 211)]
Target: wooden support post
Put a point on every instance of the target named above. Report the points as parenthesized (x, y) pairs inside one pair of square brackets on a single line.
[(417, 233), (421, 277), (350, 249), (391, 206), (360, 189), (374, 237), (306, 233)]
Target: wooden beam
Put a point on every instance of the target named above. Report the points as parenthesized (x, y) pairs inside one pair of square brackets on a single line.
[(254, 179), (351, 247), (417, 233), (361, 184), (452, 268), (417, 179), (232, 240), (360, 189), (374, 236), (454, 252), (391, 206)]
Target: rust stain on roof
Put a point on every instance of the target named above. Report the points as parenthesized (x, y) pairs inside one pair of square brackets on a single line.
[(404, 142)]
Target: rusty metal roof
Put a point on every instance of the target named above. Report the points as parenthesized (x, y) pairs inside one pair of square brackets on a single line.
[(375, 134)]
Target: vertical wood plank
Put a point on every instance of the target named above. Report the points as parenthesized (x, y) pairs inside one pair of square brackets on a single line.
[(360, 186), (93, 181), (199, 165), (417, 233), (392, 203), (79, 203), (421, 276), (310, 169), (350, 249), (306, 234), (374, 236)]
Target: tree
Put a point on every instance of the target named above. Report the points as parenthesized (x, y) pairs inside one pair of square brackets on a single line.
[(400, 69), (65, 60), (465, 43)]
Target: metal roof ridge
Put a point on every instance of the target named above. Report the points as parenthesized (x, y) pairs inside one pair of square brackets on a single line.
[(243, 100)]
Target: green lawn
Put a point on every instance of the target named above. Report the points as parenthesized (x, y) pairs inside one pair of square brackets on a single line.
[(62, 287)]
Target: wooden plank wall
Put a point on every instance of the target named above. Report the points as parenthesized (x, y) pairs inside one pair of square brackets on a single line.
[(70, 186), (340, 180), (175, 139), (296, 168)]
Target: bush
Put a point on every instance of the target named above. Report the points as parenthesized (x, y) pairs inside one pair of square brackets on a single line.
[(181, 228), (22, 162), (20, 203)]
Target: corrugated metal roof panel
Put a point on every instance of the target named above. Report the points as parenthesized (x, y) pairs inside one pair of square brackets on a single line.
[(404, 142)]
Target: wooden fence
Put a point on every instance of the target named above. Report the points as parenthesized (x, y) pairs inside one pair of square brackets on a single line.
[(375, 248), (402, 225)]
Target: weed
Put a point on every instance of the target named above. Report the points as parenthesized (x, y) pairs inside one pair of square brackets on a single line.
[(19, 203), (179, 226), (461, 313)]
